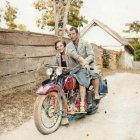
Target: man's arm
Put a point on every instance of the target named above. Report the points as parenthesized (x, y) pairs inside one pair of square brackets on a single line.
[(90, 53), (71, 52)]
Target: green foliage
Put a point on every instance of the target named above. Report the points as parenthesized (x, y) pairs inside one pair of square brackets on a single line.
[(10, 15), (133, 27), (0, 15), (73, 17), (136, 45), (106, 58), (118, 58), (0, 19), (48, 18), (137, 52)]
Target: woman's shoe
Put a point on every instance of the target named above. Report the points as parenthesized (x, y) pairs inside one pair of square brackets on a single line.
[(76, 108)]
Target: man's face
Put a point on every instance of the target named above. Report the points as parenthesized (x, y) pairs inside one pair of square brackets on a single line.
[(73, 35)]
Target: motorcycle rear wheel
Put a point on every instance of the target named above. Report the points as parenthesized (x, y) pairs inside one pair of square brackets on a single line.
[(48, 112)]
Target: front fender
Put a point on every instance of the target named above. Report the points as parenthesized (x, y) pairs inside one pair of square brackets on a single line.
[(43, 90)]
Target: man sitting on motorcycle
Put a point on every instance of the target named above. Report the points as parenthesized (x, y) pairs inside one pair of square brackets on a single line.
[(79, 52)]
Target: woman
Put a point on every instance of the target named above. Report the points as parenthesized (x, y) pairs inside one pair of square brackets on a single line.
[(60, 56), (61, 61)]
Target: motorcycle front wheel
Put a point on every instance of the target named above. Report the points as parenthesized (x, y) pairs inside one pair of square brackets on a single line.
[(48, 112)]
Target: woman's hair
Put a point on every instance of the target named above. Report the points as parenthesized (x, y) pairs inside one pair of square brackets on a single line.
[(63, 42)]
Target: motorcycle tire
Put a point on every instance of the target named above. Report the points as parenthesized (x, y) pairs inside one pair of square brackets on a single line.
[(94, 109), (41, 108)]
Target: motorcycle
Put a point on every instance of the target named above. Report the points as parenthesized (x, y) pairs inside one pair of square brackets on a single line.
[(58, 99)]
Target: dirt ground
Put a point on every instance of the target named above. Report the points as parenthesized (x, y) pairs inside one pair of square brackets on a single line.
[(17, 108), (117, 118)]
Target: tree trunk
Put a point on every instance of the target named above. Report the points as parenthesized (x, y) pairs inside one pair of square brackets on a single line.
[(56, 17), (65, 19)]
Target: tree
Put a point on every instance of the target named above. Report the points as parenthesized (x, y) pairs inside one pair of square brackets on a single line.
[(106, 58), (134, 27), (9, 14), (137, 51), (56, 12), (22, 27), (0, 15)]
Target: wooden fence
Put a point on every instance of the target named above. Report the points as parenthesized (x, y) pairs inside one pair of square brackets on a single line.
[(23, 56)]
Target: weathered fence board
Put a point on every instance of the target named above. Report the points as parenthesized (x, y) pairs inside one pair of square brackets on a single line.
[(12, 37), (12, 81), (22, 56), (14, 66), (26, 38), (12, 51)]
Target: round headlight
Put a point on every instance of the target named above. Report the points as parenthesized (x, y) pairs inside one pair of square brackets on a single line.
[(49, 71), (59, 71)]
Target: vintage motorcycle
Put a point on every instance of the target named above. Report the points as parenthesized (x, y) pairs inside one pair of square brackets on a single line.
[(58, 99)]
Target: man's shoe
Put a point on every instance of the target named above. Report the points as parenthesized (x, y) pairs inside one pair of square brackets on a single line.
[(97, 97), (64, 121)]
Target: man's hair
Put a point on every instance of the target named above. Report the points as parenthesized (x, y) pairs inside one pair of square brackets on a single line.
[(75, 29), (63, 42)]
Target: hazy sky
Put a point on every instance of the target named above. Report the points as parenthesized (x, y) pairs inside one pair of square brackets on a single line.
[(114, 13)]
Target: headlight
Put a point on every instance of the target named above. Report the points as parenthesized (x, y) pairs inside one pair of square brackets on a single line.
[(59, 71), (49, 71)]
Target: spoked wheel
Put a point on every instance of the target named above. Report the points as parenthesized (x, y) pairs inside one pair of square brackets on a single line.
[(48, 112)]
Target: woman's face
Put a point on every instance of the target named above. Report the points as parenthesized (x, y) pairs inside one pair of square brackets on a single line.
[(60, 47)]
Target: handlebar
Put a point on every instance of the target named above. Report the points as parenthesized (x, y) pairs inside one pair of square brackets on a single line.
[(65, 68)]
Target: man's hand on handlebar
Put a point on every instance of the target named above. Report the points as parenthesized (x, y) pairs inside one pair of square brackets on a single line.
[(87, 67)]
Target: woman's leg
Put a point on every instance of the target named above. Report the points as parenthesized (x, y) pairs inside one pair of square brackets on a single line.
[(82, 95)]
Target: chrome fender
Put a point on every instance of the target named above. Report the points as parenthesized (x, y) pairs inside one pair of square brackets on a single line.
[(43, 90)]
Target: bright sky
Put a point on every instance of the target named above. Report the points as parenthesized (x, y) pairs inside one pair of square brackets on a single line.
[(114, 13)]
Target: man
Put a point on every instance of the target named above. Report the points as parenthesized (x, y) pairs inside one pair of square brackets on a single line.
[(80, 52)]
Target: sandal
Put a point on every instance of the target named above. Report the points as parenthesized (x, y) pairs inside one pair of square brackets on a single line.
[(82, 107)]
